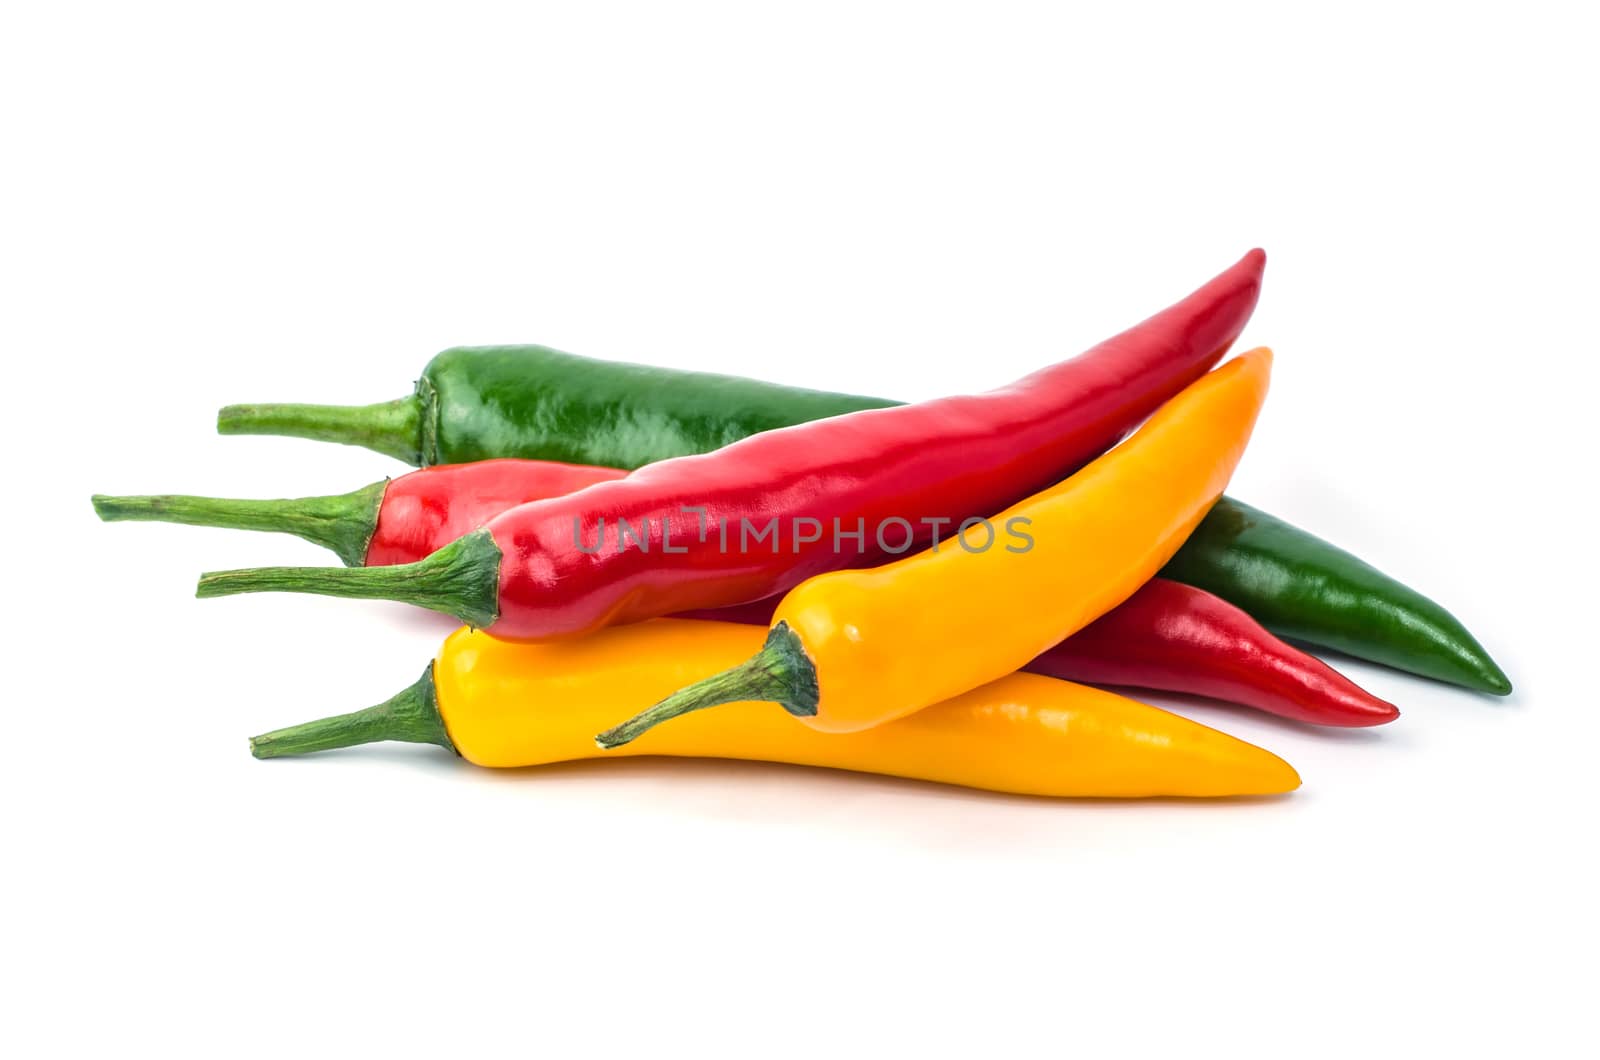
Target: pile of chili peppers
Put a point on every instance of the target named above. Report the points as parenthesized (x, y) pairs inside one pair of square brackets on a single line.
[(650, 561)]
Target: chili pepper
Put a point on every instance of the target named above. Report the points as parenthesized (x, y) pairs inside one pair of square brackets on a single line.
[(853, 649), (1177, 638), (478, 402), (401, 520), (506, 705), (530, 573), (1166, 636), (1302, 587)]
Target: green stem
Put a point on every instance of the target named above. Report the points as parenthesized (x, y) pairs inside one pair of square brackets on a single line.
[(411, 716), (393, 428), (461, 579), (343, 523), (779, 672)]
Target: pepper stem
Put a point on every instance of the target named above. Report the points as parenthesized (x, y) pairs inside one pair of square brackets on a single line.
[(343, 523), (411, 716), (461, 579), (780, 672), (393, 428)]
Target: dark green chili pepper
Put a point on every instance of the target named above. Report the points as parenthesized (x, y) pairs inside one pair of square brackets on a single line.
[(481, 402), (1301, 587)]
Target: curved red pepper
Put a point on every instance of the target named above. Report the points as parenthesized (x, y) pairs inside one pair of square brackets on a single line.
[(1176, 638), (948, 459), (555, 568)]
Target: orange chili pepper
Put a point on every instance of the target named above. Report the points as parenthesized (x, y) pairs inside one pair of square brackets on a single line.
[(852, 649)]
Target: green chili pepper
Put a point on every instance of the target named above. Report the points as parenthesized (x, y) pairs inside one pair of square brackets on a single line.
[(1299, 586), (482, 402)]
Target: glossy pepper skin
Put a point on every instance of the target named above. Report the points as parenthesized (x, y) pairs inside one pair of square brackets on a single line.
[(527, 575), (482, 402), (507, 705), (853, 649), (1300, 586)]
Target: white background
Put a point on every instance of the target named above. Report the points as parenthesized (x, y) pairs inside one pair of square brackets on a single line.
[(205, 204)]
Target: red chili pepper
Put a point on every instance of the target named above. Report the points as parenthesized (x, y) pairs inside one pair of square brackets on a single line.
[(529, 574), (1176, 638), (423, 511)]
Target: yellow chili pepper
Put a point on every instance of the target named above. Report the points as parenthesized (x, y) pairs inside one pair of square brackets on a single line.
[(853, 649), (503, 704)]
